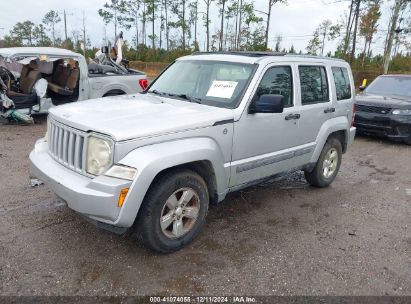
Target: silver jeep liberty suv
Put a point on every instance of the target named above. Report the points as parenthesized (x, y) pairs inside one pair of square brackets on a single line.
[(210, 124)]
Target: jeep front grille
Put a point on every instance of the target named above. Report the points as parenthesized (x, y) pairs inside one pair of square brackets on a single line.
[(66, 145)]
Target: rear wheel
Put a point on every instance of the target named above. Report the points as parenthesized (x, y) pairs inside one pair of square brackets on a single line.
[(327, 165), (173, 211)]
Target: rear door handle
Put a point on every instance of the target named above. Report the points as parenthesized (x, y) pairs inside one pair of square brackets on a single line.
[(329, 110), (292, 116)]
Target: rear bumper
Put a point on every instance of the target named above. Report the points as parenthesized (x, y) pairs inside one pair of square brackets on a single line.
[(95, 198), (394, 127)]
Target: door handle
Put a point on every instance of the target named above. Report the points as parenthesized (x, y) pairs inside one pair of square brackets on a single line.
[(329, 110), (292, 116)]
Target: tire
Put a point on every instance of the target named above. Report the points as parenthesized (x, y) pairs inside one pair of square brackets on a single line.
[(187, 219), (408, 140), (322, 175)]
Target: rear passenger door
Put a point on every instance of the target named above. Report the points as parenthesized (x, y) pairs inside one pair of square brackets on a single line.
[(316, 102)]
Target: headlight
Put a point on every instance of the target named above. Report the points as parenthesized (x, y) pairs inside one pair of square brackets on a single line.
[(99, 154), (122, 172), (401, 112)]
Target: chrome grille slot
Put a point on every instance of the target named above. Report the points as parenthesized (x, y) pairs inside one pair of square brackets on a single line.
[(66, 145)]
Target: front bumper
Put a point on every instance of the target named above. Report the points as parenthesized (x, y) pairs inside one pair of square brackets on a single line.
[(395, 127), (95, 198)]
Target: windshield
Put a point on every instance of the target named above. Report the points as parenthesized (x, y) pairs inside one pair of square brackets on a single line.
[(390, 86), (215, 83)]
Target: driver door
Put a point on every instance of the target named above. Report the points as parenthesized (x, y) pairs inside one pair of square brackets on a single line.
[(264, 143)]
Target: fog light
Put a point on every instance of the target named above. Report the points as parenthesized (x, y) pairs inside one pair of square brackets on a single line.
[(122, 197)]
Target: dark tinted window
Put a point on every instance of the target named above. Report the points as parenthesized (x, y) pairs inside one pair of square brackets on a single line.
[(342, 83), (278, 81), (314, 86)]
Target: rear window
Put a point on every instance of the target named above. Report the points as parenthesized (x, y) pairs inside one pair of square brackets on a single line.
[(342, 83)]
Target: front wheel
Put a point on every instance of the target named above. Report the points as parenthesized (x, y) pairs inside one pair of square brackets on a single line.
[(327, 166), (173, 211)]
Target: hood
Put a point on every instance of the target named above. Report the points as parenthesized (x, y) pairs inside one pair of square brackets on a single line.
[(136, 116), (383, 101)]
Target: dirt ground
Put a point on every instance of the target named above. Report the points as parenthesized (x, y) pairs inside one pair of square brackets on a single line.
[(280, 238)]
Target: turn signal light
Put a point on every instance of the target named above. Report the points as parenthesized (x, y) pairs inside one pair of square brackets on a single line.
[(122, 197)]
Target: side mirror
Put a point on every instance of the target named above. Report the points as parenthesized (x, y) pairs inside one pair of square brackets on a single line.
[(361, 88), (104, 49), (268, 104)]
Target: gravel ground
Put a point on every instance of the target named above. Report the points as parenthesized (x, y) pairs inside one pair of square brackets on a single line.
[(280, 238)]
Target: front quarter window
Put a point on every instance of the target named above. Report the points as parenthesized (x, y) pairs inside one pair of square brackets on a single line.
[(215, 83), (278, 80)]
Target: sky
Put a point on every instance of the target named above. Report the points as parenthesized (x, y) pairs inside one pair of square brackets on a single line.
[(295, 21)]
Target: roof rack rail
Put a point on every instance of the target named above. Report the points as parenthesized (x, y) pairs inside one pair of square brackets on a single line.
[(312, 56), (264, 54), (242, 53)]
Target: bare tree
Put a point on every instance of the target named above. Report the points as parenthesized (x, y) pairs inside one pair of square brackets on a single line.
[(179, 8), (369, 25), (206, 18), (222, 3), (354, 36), (112, 13), (349, 27), (132, 12), (398, 6), (151, 12), (239, 25), (267, 28), (167, 30), (50, 20)]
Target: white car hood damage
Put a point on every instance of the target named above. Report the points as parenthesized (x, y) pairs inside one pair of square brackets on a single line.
[(138, 116)]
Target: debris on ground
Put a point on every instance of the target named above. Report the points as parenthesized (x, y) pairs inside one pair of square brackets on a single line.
[(7, 108), (34, 182)]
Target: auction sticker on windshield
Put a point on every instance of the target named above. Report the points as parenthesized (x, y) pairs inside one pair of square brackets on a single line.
[(222, 89)]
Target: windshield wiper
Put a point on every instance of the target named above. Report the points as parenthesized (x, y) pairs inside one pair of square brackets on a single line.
[(183, 96), (186, 97), (157, 92)]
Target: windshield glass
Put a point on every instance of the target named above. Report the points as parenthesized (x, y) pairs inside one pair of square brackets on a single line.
[(215, 83), (390, 86)]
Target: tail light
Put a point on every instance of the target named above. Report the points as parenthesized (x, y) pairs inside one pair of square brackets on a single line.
[(353, 116), (143, 84)]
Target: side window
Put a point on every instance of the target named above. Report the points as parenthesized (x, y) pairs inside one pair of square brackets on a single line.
[(277, 80), (314, 86), (342, 83)]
